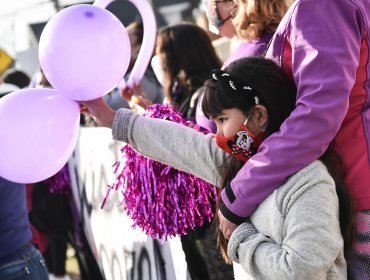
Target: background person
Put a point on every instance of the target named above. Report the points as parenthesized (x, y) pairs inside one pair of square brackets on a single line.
[(19, 259)]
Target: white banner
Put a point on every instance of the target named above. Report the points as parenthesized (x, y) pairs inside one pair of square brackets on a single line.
[(122, 252)]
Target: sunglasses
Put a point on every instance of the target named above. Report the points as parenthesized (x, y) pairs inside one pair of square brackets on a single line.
[(222, 1), (217, 20)]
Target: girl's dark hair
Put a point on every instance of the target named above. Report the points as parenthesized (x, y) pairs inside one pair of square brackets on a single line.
[(335, 166), (187, 57), (277, 93)]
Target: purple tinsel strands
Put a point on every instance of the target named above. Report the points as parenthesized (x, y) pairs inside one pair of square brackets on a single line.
[(161, 200), (60, 183)]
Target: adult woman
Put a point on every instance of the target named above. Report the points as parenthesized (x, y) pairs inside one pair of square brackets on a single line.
[(333, 88), (254, 22)]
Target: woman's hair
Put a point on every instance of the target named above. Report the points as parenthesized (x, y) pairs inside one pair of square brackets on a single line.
[(277, 93), (255, 17), (187, 59)]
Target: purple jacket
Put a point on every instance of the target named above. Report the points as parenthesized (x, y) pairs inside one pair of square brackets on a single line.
[(324, 46), (255, 47)]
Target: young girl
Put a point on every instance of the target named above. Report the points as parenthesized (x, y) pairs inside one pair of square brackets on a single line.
[(296, 232)]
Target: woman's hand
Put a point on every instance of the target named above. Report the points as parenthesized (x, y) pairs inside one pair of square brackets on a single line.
[(226, 226), (127, 93), (139, 103), (99, 111)]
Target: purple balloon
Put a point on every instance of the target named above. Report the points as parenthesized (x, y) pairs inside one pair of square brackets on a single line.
[(84, 52), (149, 36), (38, 132)]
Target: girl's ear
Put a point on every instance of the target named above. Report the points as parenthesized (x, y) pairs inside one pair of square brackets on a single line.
[(261, 116)]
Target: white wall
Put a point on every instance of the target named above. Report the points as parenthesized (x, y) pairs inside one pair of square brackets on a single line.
[(15, 17), (16, 37)]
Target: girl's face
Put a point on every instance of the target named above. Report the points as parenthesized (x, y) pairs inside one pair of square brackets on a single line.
[(229, 121)]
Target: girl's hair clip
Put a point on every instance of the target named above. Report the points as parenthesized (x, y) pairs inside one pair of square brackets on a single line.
[(232, 85), (224, 77)]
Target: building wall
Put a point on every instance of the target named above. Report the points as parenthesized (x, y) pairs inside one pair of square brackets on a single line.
[(15, 35)]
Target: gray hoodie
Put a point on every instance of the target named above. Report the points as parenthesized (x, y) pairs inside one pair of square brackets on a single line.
[(293, 234)]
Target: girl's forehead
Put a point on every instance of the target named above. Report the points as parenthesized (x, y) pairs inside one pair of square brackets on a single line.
[(231, 112)]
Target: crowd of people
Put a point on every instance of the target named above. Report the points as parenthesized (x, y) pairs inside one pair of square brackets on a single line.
[(288, 149)]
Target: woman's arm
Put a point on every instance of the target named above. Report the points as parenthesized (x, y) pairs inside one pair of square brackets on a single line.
[(170, 143)]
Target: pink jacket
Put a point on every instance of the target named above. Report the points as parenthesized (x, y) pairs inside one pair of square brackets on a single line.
[(324, 46)]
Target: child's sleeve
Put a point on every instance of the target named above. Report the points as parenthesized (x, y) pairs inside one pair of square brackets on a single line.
[(171, 143), (325, 39)]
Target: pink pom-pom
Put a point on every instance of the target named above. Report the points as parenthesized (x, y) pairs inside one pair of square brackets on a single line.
[(161, 200), (60, 183)]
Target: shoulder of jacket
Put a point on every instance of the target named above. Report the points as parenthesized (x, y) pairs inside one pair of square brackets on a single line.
[(312, 176)]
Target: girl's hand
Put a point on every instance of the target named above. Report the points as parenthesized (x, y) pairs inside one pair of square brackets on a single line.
[(99, 111)]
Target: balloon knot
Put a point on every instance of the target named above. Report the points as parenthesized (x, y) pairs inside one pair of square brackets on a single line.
[(89, 14)]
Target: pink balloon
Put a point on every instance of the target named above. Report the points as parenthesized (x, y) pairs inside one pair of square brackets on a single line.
[(84, 52), (149, 37), (38, 132)]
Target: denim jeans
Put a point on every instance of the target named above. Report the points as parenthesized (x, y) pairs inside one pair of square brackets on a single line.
[(31, 265)]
